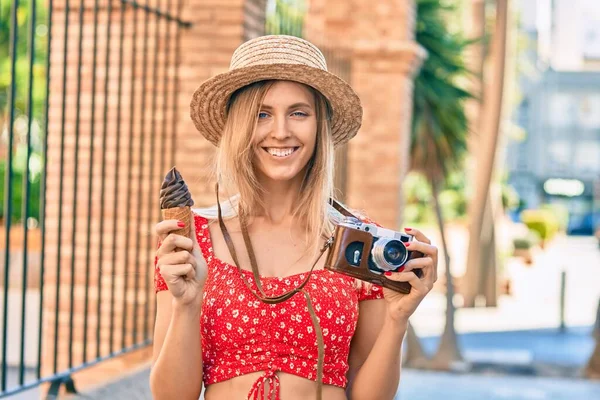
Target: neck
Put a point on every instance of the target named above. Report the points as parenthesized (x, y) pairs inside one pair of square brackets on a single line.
[(279, 199)]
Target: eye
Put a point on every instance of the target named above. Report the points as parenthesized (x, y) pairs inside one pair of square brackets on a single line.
[(299, 114), (262, 115)]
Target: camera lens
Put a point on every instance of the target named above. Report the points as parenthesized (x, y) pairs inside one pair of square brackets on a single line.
[(394, 253), (389, 254)]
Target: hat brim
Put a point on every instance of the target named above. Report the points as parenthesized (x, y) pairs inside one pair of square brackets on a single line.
[(209, 101)]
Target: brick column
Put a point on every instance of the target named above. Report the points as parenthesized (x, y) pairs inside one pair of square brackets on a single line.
[(219, 27), (384, 57)]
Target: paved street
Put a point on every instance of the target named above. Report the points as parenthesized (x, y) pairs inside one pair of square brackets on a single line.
[(420, 385), (519, 335), (534, 303)]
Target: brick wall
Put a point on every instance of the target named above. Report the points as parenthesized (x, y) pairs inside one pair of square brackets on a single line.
[(384, 57), (219, 27)]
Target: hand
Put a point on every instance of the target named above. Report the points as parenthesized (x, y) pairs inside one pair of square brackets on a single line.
[(402, 306), (181, 264)]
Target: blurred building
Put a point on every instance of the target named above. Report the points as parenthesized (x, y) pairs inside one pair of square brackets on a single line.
[(558, 159)]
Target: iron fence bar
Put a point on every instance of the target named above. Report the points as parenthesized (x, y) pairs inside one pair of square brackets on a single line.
[(66, 374), (90, 183), (140, 202), (116, 177), (158, 12), (171, 22), (61, 182), (151, 173), (103, 176), (26, 185), (8, 180), (75, 180), (129, 178), (165, 96), (43, 194), (176, 83)]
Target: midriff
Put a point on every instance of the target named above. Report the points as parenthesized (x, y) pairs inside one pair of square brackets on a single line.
[(292, 387)]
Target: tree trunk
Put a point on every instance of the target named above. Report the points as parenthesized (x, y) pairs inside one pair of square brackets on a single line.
[(448, 352), (414, 357), (487, 151), (592, 369), (488, 259)]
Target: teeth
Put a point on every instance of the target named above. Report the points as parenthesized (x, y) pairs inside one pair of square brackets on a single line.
[(277, 152)]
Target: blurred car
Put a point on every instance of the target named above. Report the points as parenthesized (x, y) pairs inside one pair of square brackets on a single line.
[(584, 224)]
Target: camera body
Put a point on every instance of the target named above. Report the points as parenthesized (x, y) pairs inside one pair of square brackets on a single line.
[(366, 251)]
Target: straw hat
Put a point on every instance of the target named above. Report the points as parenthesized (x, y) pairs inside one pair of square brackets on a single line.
[(276, 57)]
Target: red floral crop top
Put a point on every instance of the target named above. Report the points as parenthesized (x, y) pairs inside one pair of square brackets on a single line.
[(241, 334)]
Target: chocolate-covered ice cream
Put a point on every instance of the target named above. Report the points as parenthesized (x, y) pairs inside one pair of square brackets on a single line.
[(176, 200), (174, 192)]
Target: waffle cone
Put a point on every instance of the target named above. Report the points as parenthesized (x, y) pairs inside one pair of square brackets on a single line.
[(183, 214)]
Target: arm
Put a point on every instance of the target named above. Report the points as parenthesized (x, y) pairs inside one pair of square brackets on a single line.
[(180, 272), (376, 347), (375, 353), (177, 355)]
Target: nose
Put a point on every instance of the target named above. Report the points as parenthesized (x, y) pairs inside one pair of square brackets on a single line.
[(280, 129)]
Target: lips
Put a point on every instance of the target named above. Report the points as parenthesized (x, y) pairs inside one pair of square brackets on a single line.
[(280, 151)]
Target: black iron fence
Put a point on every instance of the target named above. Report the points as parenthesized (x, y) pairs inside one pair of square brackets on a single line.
[(87, 114)]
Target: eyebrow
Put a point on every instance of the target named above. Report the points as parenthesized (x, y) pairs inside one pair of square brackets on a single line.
[(295, 105)]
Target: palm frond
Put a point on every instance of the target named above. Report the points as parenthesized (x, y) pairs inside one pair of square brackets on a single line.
[(440, 125)]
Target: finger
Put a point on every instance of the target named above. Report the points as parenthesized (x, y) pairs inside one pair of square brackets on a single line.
[(172, 272), (178, 257), (418, 235), (163, 228), (409, 277), (173, 242), (418, 263), (424, 248)]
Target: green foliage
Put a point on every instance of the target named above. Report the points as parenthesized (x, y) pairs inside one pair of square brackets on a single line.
[(532, 239), (560, 212), (522, 243), (439, 126), (285, 17), (418, 197), (21, 120), (510, 197), (544, 222), (18, 194), (22, 60)]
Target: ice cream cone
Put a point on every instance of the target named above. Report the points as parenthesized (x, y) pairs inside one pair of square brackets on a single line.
[(183, 214)]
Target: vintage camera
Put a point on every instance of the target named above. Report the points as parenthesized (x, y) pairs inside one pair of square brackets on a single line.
[(366, 251)]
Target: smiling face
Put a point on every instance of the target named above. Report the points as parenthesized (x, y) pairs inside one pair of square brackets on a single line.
[(286, 132)]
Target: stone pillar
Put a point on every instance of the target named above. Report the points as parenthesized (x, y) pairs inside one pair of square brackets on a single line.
[(384, 59), (219, 27)]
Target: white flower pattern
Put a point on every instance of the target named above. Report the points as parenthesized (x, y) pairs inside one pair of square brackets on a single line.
[(283, 339)]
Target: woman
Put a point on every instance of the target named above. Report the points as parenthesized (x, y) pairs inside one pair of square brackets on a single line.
[(275, 117)]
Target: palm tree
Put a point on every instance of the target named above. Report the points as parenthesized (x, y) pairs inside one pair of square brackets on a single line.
[(439, 131), (480, 275)]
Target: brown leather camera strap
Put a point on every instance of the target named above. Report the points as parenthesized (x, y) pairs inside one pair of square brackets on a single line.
[(341, 209), (283, 297)]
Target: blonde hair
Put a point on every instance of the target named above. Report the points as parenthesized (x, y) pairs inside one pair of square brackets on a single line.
[(235, 170)]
